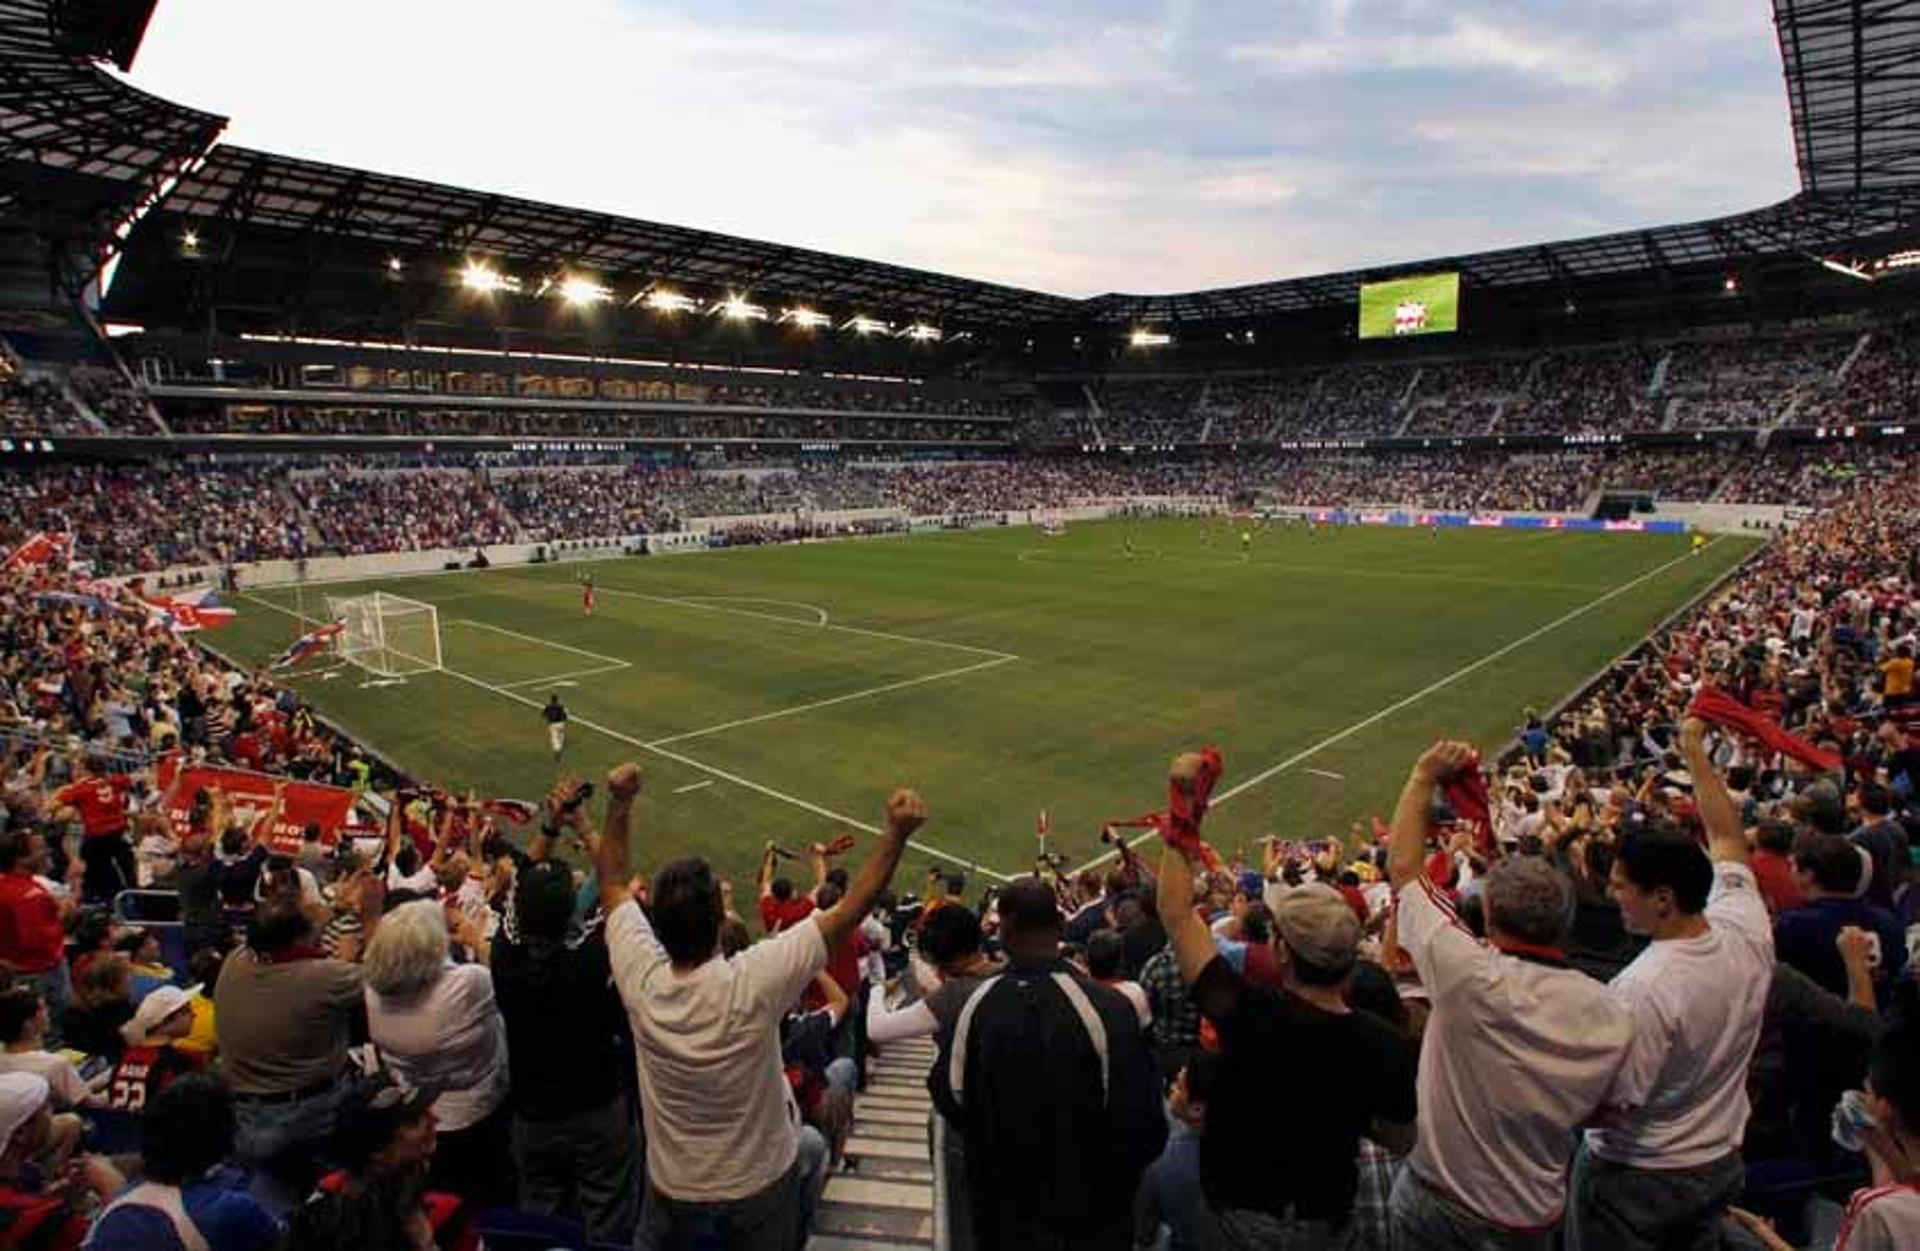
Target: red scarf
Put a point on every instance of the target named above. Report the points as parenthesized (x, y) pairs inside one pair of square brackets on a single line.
[(1179, 825), (1466, 793), (1723, 709)]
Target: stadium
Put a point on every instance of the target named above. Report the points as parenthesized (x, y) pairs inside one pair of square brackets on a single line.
[(349, 515)]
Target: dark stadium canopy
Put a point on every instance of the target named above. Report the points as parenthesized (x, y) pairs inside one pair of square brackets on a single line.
[(78, 148), (276, 239)]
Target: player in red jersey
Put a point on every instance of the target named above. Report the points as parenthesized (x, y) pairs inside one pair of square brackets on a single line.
[(586, 596)]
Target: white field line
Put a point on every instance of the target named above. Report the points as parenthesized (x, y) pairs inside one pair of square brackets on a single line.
[(808, 625), (828, 703), (1323, 773), (714, 771), (1422, 693), (566, 677), (819, 614), (693, 786), (530, 638)]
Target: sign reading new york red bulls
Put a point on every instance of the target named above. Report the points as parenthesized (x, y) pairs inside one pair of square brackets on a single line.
[(251, 795)]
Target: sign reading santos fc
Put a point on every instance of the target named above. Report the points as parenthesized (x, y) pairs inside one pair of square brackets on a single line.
[(1427, 304)]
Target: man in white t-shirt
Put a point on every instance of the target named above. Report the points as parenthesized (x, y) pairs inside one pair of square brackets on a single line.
[(1665, 1162), (1519, 1050), (723, 1133)]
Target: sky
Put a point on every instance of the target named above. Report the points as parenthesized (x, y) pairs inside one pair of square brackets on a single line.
[(1075, 147)]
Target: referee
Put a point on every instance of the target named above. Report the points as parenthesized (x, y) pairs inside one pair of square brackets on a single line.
[(556, 716)]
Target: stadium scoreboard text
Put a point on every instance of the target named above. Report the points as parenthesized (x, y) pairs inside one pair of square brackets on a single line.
[(1423, 304)]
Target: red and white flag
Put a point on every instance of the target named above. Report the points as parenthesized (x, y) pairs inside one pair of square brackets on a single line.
[(41, 548)]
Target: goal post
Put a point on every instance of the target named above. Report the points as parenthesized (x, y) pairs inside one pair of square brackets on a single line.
[(387, 634)]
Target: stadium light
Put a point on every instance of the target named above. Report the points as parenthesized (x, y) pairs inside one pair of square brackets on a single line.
[(485, 280), (739, 308), (579, 292), (805, 318), (921, 332), (1144, 338), (1731, 285), (393, 264), (190, 243), (862, 325), (661, 300)]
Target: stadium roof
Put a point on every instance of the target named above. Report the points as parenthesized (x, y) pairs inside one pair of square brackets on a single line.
[(78, 148), (278, 231)]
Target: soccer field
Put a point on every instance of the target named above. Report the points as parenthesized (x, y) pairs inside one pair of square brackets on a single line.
[(780, 692)]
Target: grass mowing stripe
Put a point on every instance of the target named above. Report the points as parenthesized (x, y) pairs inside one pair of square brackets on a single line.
[(1465, 670), (689, 761), (805, 625), (869, 693)]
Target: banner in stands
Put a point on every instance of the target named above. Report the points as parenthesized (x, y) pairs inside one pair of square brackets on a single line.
[(307, 803), (1446, 521)]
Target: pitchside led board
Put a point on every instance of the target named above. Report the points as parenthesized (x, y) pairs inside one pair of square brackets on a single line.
[(1427, 304)]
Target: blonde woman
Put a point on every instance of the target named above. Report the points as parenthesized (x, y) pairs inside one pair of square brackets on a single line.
[(438, 1029)]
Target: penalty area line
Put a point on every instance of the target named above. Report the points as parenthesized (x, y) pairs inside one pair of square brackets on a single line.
[(722, 774), (1438, 685)]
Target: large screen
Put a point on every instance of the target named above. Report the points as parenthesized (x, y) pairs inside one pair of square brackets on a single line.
[(1427, 304)]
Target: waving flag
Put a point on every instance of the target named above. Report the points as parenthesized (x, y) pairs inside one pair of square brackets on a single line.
[(41, 548), (312, 643), (187, 613)]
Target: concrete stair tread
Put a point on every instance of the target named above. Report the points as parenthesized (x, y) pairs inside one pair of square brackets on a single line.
[(876, 1224), (887, 1168), (863, 1114), (866, 1128), (873, 1193), (859, 1144), (834, 1242), (896, 1103)]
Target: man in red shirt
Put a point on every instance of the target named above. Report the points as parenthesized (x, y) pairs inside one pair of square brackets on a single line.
[(779, 906), (100, 801), (1772, 866), (32, 942)]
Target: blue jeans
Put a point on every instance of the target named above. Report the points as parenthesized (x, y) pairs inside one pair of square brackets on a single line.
[(281, 1143), (1617, 1207), (774, 1218), (1425, 1220)]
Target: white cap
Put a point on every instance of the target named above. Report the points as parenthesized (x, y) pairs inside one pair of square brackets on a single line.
[(161, 1002), (21, 1095)]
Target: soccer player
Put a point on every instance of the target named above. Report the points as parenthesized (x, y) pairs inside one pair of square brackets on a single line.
[(1246, 544), (1128, 544), (586, 596), (1699, 542), (556, 713)]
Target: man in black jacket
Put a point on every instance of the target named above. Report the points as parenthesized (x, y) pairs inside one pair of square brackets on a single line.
[(1050, 1082)]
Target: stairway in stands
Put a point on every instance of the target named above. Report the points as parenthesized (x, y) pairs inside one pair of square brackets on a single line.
[(885, 1200)]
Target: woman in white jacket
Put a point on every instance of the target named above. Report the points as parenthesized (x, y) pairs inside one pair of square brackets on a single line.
[(437, 1028)]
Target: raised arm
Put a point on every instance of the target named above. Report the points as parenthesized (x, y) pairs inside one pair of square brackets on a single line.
[(766, 870), (817, 860), (1407, 843), (612, 859), (906, 812), (1725, 839), (1186, 933)]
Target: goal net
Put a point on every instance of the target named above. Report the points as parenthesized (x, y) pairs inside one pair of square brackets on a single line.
[(387, 634)]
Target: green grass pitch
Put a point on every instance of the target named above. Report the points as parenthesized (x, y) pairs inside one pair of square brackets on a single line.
[(780, 692)]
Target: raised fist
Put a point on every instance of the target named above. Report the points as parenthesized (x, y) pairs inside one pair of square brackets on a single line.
[(906, 812), (1444, 760), (623, 781)]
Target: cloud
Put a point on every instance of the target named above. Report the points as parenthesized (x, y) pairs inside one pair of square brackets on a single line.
[(1080, 147)]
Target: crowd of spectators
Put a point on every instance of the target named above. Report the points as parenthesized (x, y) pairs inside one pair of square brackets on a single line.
[(1660, 992), (148, 516), (354, 514)]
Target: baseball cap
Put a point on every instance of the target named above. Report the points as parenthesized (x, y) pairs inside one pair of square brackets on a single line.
[(372, 1113), (160, 1003), (21, 1095), (1318, 925)]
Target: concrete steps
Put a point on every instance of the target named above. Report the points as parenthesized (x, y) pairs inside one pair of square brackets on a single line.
[(884, 1201)]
